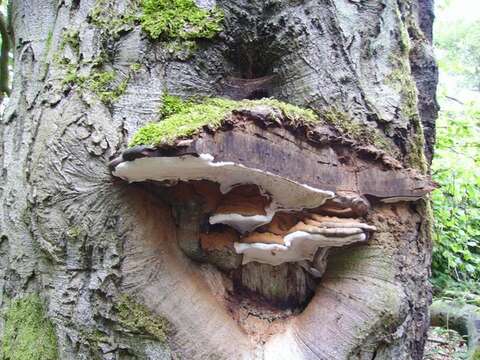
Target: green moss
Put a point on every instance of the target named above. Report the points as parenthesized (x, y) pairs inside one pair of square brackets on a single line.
[(416, 156), (28, 334), (103, 83), (72, 39), (179, 20), (361, 133), (135, 67), (138, 318), (183, 119), (401, 79), (105, 17), (171, 105), (99, 60), (48, 42), (404, 41), (188, 118)]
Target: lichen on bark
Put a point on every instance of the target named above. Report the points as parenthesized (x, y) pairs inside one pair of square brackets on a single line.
[(137, 318), (28, 333)]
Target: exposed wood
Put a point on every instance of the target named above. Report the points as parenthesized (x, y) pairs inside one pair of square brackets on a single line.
[(286, 285), (244, 200)]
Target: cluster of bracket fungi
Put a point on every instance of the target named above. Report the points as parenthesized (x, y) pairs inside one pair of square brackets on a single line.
[(251, 193)]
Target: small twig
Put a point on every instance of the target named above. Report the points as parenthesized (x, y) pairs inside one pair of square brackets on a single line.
[(437, 341), (454, 99)]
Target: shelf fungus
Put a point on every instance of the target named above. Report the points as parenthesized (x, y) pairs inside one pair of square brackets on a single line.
[(263, 194), (303, 240)]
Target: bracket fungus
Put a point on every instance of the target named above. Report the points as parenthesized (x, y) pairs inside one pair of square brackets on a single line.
[(302, 241), (260, 184), (284, 193)]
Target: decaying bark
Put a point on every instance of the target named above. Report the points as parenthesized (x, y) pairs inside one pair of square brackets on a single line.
[(86, 240)]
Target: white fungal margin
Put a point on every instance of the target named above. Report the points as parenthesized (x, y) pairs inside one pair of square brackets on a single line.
[(243, 223), (285, 193), (298, 246)]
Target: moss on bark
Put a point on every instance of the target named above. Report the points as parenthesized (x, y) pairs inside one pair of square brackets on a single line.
[(179, 19), (183, 119), (28, 333), (138, 318), (187, 118)]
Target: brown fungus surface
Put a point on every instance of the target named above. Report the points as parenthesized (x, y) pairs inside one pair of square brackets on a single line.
[(260, 211)]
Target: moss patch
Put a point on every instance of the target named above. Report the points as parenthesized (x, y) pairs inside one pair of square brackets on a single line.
[(360, 133), (105, 17), (28, 334), (183, 119), (179, 20), (103, 83), (138, 318), (171, 105), (475, 355), (188, 118), (72, 39), (401, 80)]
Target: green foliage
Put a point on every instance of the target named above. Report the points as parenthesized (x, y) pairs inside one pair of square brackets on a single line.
[(459, 49), (189, 117), (179, 20), (462, 292), (138, 318), (28, 334), (456, 204)]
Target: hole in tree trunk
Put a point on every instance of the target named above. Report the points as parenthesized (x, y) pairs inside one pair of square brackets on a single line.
[(258, 94), (237, 232), (253, 60)]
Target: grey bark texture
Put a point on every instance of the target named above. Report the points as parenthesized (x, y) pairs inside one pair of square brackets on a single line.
[(83, 239)]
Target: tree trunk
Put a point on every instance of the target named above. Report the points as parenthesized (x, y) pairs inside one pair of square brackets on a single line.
[(123, 269)]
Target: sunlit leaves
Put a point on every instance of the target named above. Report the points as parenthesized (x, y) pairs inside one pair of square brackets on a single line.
[(457, 203)]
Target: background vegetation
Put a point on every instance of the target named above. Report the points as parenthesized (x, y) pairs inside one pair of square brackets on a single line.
[(456, 256)]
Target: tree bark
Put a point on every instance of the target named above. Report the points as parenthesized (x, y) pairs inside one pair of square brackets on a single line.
[(92, 245)]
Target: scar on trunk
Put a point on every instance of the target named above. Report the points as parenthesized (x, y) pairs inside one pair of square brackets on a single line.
[(264, 197)]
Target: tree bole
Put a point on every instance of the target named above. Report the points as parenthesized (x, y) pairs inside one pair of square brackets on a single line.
[(129, 271)]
